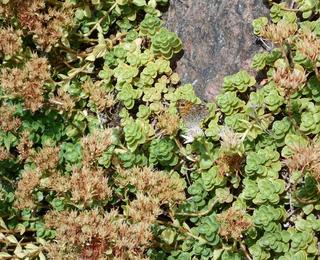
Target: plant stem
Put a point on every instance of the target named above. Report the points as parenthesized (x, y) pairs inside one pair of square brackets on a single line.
[(186, 231), (99, 21), (198, 214), (316, 71), (182, 150), (284, 54), (245, 251)]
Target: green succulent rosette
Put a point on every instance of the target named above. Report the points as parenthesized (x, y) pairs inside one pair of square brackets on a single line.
[(150, 25), (162, 151), (135, 134), (258, 24), (229, 103), (166, 43), (128, 95), (125, 73), (264, 162), (276, 241), (240, 81), (266, 217)]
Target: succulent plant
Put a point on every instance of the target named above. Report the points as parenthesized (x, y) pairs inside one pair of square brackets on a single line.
[(166, 43), (280, 129), (240, 81), (211, 179), (135, 135), (269, 191), (125, 73), (310, 121), (229, 103), (258, 24), (162, 152), (275, 241), (273, 100), (267, 216), (304, 241), (150, 25), (208, 228), (257, 252), (263, 163), (128, 95), (115, 129), (130, 159)]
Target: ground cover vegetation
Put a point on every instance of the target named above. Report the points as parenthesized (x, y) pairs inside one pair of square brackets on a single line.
[(105, 155)]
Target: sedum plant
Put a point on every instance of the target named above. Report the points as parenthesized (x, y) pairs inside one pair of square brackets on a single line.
[(104, 154), (165, 43)]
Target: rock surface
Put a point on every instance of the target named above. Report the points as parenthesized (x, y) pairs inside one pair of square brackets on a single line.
[(217, 37)]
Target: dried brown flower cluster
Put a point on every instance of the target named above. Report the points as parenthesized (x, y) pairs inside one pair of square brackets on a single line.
[(157, 184), (8, 122), (63, 101), (98, 96), (88, 185), (10, 41), (4, 154), (230, 158), (56, 182), (229, 164), (44, 23), (94, 235), (305, 159), (84, 185), (144, 209), (168, 123), (25, 146), (279, 33), (233, 224), (230, 140), (25, 188), (309, 45), (47, 159), (289, 81), (27, 82), (94, 145)]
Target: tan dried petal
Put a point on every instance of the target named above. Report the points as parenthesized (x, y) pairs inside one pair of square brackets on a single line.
[(157, 184), (305, 158), (309, 45), (94, 145), (10, 41), (89, 185), (233, 224), (279, 33), (8, 122), (26, 185), (169, 123)]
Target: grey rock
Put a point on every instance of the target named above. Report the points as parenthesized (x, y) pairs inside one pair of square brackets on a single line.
[(217, 37)]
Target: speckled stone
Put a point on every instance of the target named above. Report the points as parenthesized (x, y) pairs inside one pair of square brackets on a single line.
[(217, 37)]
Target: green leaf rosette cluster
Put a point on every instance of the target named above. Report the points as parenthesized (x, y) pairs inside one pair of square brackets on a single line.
[(166, 43)]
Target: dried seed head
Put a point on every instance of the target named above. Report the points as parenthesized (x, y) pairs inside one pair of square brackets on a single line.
[(10, 41), (289, 81), (309, 45), (168, 123), (279, 33), (305, 158), (233, 224)]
